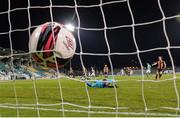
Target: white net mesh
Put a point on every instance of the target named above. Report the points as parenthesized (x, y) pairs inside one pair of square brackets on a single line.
[(67, 100)]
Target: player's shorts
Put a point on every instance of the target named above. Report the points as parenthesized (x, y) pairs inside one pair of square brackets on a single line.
[(93, 74), (148, 71), (160, 71), (105, 73)]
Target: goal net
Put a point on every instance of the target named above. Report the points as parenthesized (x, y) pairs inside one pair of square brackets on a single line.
[(124, 34)]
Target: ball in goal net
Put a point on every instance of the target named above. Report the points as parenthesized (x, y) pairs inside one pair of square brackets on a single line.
[(122, 34)]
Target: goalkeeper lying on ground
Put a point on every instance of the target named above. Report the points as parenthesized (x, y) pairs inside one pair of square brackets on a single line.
[(105, 83)]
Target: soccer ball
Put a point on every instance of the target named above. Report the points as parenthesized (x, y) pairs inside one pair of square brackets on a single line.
[(50, 43)]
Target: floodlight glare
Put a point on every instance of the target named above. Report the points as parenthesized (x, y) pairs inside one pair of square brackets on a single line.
[(69, 27)]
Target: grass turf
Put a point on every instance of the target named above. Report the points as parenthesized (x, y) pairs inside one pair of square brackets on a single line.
[(129, 97)]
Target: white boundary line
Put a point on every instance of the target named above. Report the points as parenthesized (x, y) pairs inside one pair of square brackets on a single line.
[(98, 112), (64, 103)]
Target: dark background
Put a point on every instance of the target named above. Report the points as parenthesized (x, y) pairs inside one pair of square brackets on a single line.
[(117, 14)]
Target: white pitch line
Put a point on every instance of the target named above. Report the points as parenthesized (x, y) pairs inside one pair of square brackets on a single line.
[(98, 112)]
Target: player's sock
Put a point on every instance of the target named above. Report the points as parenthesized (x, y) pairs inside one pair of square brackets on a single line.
[(156, 76)]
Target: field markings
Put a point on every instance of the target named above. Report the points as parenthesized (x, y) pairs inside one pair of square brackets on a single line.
[(58, 104), (96, 112)]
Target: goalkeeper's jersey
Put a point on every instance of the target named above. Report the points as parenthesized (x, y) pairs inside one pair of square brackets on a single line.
[(98, 84)]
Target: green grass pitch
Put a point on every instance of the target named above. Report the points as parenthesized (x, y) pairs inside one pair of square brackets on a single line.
[(129, 96)]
